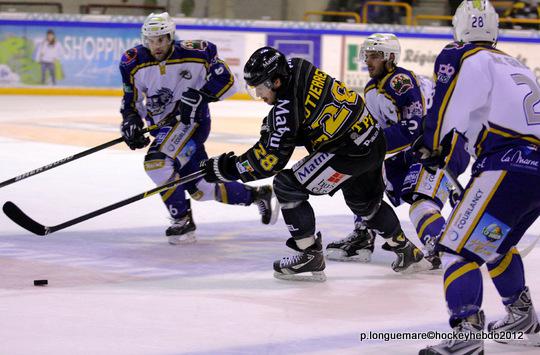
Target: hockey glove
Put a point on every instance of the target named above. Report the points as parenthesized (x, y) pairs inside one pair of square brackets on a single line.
[(221, 168), (191, 104), (430, 159), (131, 129)]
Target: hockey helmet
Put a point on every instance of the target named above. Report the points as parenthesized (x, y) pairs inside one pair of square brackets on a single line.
[(387, 43), (476, 20), (265, 64), (157, 25)]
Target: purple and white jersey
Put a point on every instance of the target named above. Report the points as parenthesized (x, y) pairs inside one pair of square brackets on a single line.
[(152, 88), (493, 100)]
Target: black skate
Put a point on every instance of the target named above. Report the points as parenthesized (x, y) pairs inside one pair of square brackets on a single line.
[(357, 246), (410, 259), (182, 230), (268, 209), (473, 324), (431, 254), (297, 267), (521, 318)]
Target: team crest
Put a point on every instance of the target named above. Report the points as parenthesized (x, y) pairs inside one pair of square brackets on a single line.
[(401, 83), (454, 45), (194, 44), (156, 103), (129, 56)]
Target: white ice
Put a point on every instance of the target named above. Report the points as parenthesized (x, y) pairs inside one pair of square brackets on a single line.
[(117, 287)]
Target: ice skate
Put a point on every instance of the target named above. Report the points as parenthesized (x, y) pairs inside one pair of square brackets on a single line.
[(267, 204), (307, 265), (431, 254), (472, 324), (357, 246), (410, 259), (182, 230), (520, 318)]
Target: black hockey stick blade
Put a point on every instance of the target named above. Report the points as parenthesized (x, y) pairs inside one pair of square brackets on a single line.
[(22, 219), (18, 216)]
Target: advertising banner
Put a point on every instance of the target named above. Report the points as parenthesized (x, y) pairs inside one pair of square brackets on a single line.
[(295, 45), (67, 56)]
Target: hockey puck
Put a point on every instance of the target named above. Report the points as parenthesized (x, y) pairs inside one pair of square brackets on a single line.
[(41, 282)]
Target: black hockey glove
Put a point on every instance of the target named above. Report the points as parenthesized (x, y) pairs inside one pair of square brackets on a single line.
[(431, 160), (190, 107), (131, 128), (221, 168)]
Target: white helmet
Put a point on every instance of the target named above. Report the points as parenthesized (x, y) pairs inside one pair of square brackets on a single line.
[(475, 20), (157, 25), (381, 42)]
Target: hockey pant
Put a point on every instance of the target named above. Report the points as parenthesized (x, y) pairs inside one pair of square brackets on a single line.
[(485, 227), (359, 178)]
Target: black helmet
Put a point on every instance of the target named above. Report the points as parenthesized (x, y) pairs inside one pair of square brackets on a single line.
[(264, 64)]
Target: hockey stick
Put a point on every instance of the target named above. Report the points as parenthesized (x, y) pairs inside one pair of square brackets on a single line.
[(22, 219), (80, 155)]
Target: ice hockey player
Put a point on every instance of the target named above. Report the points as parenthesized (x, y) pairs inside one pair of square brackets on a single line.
[(346, 151), (491, 98), (164, 79), (398, 100)]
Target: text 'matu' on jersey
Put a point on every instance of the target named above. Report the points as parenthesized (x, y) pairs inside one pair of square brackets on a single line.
[(312, 110)]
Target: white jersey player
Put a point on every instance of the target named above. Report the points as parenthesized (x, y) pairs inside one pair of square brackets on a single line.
[(493, 100)]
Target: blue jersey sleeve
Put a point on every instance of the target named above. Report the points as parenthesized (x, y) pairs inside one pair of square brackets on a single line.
[(220, 79), (446, 73), (128, 62)]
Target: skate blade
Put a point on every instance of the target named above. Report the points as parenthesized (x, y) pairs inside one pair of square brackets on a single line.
[(362, 256), (420, 266), (316, 276), (275, 210), (184, 239), (532, 340)]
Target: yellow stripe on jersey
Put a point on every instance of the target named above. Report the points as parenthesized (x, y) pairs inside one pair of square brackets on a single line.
[(398, 149), (448, 94)]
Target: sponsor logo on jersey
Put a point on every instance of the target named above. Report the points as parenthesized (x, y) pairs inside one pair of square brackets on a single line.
[(401, 83), (518, 158), (306, 168), (280, 123), (244, 166), (445, 73), (327, 181), (464, 216), (492, 232)]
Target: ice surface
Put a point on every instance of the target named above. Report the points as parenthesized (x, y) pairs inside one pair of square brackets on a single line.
[(117, 287)]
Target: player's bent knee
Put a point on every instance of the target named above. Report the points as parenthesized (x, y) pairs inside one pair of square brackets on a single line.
[(205, 191), (448, 259), (158, 168), (421, 208), (288, 189)]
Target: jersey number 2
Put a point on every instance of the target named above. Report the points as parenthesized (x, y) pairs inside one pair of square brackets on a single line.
[(531, 99)]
